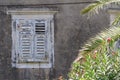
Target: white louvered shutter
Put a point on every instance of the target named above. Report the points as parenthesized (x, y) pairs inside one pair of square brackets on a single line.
[(40, 41), (25, 34), (32, 39)]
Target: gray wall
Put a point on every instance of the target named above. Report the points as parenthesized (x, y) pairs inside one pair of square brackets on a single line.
[(25, 2), (71, 31)]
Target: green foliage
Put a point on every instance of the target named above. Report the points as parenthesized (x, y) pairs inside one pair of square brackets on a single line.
[(100, 68), (100, 61), (100, 4), (100, 39), (94, 8), (91, 7), (116, 21)]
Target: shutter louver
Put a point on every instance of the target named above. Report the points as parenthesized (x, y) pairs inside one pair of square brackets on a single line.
[(25, 41), (25, 46), (32, 38), (32, 41), (40, 37)]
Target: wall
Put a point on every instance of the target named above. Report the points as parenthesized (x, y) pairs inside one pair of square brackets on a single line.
[(71, 31), (26, 2)]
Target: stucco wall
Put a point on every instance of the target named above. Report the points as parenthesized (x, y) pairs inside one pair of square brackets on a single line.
[(25, 2), (71, 31)]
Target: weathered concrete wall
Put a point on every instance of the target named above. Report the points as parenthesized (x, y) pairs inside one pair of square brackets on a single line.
[(71, 31), (25, 2), (5, 48)]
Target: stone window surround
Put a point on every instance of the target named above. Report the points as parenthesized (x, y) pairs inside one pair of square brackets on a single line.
[(33, 12)]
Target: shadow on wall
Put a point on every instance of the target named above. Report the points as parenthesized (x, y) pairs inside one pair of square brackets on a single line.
[(68, 41), (6, 71), (72, 38)]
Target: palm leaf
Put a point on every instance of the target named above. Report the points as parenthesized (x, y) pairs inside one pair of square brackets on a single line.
[(116, 21), (95, 7), (100, 39)]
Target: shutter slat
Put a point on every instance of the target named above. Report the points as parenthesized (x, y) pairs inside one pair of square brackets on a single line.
[(26, 50), (25, 40), (40, 37), (32, 41)]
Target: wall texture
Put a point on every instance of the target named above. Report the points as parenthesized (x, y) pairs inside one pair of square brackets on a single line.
[(25, 2), (71, 31)]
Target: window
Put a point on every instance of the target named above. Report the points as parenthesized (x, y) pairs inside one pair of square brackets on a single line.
[(33, 39)]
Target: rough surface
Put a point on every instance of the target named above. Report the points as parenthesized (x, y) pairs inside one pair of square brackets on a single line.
[(25, 2), (71, 31)]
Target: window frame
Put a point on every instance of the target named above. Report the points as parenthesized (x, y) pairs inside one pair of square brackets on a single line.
[(47, 15)]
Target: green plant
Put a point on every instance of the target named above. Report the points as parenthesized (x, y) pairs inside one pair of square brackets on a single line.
[(94, 8), (100, 60)]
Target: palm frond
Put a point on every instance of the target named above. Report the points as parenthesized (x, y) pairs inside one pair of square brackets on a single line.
[(100, 39), (90, 8), (95, 7), (116, 21)]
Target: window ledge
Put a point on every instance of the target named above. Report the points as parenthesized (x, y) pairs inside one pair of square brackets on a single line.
[(31, 11)]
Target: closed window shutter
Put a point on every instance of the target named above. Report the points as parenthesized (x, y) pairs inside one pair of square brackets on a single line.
[(40, 41), (25, 46), (24, 29), (32, 40)]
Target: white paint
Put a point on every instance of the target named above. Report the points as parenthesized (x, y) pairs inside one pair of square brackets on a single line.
[(49, 24)]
